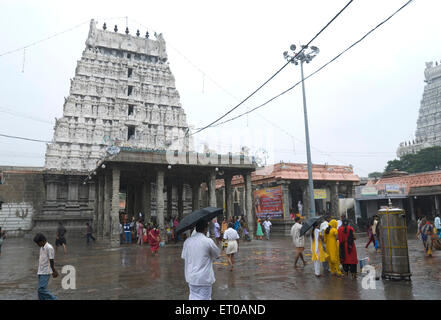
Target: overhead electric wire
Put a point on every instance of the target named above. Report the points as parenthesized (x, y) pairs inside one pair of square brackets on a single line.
[(52, 36), (21, 138), (277, 72), (17, 114), (45, 39), (318, 70)]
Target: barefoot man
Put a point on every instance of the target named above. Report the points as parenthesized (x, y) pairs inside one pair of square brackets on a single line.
[(299, 241)]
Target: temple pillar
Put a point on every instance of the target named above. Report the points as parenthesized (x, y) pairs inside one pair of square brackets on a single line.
[(114, 217), (72, 190), (100, 221), (160, 201), (107, 202), (285, 200), (180, 200), (195, 192), (51, 191), (92, 202), (169, 201), (334, 200), (249, 204), (229, 206), (147, 200), (212, 189)]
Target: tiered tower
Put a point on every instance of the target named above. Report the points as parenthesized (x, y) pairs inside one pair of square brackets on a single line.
[(428, 132), (123, 94)]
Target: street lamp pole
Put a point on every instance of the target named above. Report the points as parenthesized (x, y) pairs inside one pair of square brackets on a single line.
[(305, 57)]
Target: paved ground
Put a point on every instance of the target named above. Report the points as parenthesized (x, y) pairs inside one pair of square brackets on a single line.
[(264, 270)]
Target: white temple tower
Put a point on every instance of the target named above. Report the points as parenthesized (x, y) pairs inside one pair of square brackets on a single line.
[(428, 132), (123, 94)]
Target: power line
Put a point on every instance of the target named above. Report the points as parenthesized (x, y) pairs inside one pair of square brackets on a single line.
[(278, 71), (42, 40), (21, 138), (318, 70), (55, 35), (17, 114)]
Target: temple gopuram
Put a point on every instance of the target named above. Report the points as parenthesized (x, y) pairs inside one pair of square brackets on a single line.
[(123, 146)]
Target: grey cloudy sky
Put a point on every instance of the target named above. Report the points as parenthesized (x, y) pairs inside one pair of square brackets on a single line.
[(360, 107)]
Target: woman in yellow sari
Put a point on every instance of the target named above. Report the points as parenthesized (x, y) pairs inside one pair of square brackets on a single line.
[(318, 254), (332, 248)]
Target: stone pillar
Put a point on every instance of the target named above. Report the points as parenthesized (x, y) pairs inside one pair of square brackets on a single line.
[(334, 200), (160, 201), (436, 205), (147, 200), (100, 224), (92, 202), (229, 196), (249, 205), (130, 200), (114, 217), (180, 200), (107, 202), (285, 199), (169, 201), (212, 189), (51, 190), (72, 190), (195, 191)]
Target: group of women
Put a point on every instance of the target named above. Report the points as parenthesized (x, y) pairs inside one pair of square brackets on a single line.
[(334, 246)]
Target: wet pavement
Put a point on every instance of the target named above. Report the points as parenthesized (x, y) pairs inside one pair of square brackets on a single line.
[(264, 271)]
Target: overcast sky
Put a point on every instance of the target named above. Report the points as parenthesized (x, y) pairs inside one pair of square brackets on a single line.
[(360, 107)]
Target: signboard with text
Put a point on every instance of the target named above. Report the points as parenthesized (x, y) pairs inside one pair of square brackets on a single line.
[(319, 193), (268, 203)]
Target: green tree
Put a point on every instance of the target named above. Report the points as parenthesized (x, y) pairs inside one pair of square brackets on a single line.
[(375, 174), (427, 159)]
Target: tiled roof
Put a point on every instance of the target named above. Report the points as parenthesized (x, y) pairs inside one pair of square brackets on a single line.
[(297, 171), (424, 179)]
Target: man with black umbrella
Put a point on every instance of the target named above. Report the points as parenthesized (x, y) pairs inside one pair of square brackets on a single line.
[(199, 252)]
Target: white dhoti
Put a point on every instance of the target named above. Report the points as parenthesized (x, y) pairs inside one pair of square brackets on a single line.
[(232, 247), (200, 292)]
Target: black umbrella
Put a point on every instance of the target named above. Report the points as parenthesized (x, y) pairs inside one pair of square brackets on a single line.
[(308, 224), (193, 218)]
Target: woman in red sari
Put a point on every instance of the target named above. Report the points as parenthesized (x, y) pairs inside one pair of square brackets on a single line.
[(348, 251), (154, 240)]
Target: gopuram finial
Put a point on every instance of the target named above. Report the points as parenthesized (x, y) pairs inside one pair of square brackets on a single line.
[(127, 30), (104, 26), (116, 28), (137, 33), (147, 34)]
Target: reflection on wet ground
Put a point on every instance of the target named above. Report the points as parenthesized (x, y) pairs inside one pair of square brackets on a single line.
[(264, 270)]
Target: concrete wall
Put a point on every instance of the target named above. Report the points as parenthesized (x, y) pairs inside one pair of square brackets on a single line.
[(22, 192)]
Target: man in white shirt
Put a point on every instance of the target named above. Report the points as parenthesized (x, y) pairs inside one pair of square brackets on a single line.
[(231, 236), (199, 252), (45, 267), (267, 226), (299, 241)]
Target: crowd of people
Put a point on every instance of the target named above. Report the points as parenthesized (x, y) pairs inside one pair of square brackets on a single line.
[(332, 245)]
